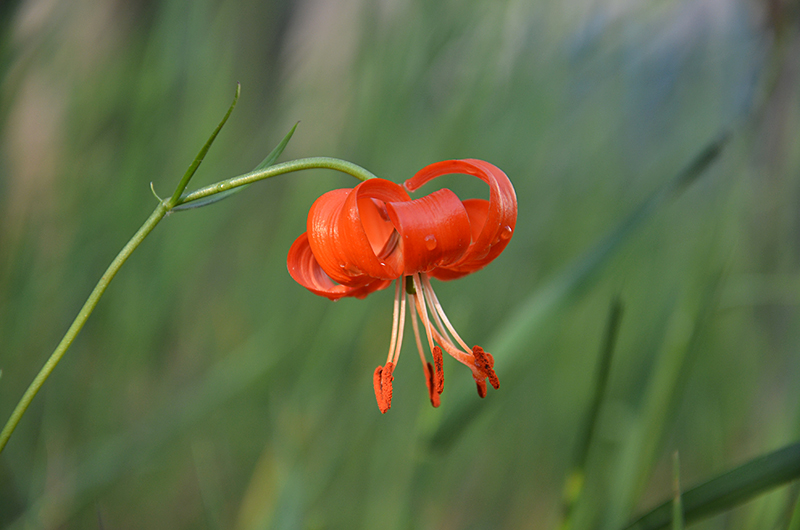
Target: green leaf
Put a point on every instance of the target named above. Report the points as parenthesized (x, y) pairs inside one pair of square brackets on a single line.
[(202, 154), (729, 489), (275, 153), (573, 488), (268, 161)]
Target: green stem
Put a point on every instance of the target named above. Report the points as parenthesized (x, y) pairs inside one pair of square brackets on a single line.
[(161, 210), (317, 162), (80, 320)]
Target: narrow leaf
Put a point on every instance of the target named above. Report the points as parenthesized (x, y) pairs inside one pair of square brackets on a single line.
[(202, 154), (729, 489), (272, 157), (270, 160)]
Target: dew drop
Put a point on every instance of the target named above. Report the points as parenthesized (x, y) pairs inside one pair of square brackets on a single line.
[(430, 242), (506, 232)]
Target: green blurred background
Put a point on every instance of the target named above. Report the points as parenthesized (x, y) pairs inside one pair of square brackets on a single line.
[(208, 390)]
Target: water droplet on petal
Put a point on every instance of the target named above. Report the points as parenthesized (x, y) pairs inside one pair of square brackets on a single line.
[(430, 242), (506, 232), (483, 253)]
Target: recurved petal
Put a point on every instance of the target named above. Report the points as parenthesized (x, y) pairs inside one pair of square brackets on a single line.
[(434, 231), (492, 224), (305, 269), (364, 229), (324, 236)]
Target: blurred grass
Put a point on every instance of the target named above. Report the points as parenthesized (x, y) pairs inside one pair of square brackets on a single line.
[(209, 390)]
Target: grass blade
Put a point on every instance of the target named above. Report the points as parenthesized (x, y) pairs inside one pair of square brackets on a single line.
[(729, 489), (576, 478)]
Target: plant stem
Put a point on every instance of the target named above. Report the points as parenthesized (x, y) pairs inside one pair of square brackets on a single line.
[(317, 162), (80, 320), (163, 208)]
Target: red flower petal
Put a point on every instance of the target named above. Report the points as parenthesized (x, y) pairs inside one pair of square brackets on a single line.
[(493, 223), (359, 239), (434, 231), (363, 215), (306, 271)]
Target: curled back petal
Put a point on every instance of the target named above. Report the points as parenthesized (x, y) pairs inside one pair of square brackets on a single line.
[(494, 223), (363, 215), (477, 211), (324, 237), (434, 231), (305, 269)]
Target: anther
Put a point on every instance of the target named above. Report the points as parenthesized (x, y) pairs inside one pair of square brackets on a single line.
[(439, 363), (429, 382), (382, 381), (481, 387), (484, 362)]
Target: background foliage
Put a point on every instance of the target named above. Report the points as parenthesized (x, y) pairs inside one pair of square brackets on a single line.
[(209, 390)]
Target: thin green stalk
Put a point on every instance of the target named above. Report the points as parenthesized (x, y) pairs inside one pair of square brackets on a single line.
[(83, 315), (317, 162), (164, 207)]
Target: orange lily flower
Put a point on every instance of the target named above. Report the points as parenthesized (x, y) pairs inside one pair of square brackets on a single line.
[(359, 240)]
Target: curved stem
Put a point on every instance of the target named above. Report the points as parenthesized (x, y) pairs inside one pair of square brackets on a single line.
[(161, 210), (83, 315), (317, 162)]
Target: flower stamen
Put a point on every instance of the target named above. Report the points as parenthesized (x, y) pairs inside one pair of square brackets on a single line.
[(395, 323), (402, 324), (434, 380), (439, 362), (479, 361), (440, 311), (422, 309), (485, 363), (382, 381)]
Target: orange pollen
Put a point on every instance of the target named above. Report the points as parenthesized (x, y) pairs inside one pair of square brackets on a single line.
[(481, 387), (484, 362), (382, 381), (439, 362), (429, 382)]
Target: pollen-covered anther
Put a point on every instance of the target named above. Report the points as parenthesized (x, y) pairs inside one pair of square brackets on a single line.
[(438, 361), (429, 382), (481, 383), (382, 381), (484, 362)]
